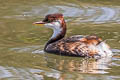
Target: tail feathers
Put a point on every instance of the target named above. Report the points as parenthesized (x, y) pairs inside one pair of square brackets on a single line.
[(104, 49)]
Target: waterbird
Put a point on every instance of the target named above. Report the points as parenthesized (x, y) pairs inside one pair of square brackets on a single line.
[(77, 45)]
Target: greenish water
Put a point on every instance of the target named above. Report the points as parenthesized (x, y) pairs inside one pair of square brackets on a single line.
[(22, 43)]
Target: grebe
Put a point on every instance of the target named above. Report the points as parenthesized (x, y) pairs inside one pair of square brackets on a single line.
[(83, 46)]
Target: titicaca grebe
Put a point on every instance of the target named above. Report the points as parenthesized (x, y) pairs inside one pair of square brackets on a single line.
[(84, 46)]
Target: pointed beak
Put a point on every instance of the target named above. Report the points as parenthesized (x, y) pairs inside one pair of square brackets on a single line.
[(39, 23)]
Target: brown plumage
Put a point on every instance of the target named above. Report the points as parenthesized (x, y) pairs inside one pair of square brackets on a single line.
[(74, 46), (85, 46)]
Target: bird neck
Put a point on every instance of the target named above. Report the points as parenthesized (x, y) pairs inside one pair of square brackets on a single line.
[(57, 34)]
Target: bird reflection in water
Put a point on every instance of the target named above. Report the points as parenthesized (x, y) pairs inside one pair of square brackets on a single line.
[(81, 65)]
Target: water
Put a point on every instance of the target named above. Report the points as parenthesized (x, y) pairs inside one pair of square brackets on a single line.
[(21, 43)]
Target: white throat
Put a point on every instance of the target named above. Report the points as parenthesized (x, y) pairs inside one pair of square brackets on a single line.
[(56, 26), (56, 32)]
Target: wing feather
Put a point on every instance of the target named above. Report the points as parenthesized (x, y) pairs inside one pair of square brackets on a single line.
[(76, 45)]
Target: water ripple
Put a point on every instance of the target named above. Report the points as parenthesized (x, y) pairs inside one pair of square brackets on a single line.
[(96, 14), (99, 14), (26, 73), (107, 14), (30, 49)]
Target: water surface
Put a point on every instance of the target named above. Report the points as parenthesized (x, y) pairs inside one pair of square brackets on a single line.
[(21, 43)]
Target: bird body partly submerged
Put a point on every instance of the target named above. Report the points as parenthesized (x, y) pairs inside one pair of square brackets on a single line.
[(83, 46)]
